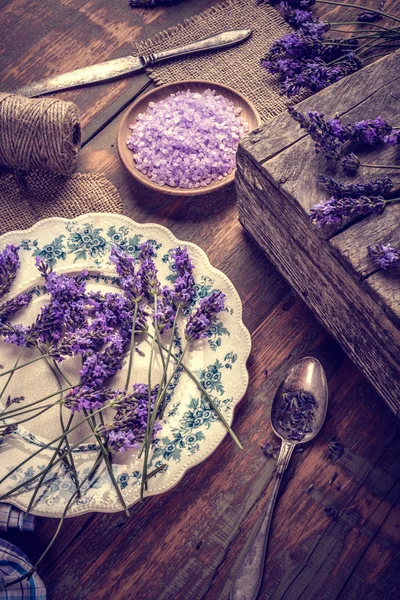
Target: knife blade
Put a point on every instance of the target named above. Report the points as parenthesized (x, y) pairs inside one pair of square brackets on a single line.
[(129, 64)]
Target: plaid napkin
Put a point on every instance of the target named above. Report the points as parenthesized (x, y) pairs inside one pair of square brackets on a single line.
[(13, 562), (12, 518)]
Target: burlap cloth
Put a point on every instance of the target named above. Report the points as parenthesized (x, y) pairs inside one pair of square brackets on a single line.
[(238, 67), (39, 145), (26, 199)]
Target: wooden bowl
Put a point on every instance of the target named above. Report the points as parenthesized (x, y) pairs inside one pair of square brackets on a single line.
[(249, 114)]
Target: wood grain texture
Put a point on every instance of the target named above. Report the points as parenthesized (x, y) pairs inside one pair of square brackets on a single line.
[(186, 544), (359, 307)]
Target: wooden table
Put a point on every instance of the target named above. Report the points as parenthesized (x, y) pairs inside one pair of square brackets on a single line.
[(186, 544)]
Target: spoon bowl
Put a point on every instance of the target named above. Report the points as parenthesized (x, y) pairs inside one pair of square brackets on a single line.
[(308, 376)]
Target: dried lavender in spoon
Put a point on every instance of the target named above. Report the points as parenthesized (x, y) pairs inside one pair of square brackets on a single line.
[(296, 414), (188, 139)]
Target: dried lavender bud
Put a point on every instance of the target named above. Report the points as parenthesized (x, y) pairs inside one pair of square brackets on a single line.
[(337, 48), (393, 138), (386, 256), (8, 430), (16, 400), (333, 478), (201, 319), (376, 187), (331, 511), (371, 131), (351, 163), (270, 450), (336, 210), (183, 292), (9, 265), (327, 135), (338, 487), (335, 450), (295, 414), (310, 488), (368, 17), (9, 308)]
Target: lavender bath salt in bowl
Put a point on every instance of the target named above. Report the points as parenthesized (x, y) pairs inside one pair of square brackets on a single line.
[(182, 138)]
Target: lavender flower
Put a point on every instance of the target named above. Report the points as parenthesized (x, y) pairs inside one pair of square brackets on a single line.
[(368, 17), (386, 256), (14, 334), (336, 210), (9, 308), (99, 367), (393, 138), (146, 250), (128, 427), (130, 281), (166, 310), (376, 187), (201, 319), (86, 398), (328, 136), (16, 400), (9, 265), (351, 163), (183, 292), (371, 131)]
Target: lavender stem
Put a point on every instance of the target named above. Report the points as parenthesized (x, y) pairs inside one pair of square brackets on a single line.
[(378, 12), (131, 348)]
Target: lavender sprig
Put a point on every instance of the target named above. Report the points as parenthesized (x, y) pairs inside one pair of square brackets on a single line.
[(336, 210), (9, 265), (201, 319), (386, 256), (376, 187)]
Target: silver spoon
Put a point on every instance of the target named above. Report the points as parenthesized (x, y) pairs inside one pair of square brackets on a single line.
[(308, 376)]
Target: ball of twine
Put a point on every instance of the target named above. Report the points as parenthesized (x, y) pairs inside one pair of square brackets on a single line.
[(39, 133)]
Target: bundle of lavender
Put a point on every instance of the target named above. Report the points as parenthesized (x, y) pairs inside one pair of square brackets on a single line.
[(349, 202), (103, 330), (308, 59)]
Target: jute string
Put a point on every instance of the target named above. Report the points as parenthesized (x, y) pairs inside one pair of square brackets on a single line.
[(39, 146), (40, 133)]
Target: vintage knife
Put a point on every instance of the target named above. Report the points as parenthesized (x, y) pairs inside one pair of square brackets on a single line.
[(129, 64)]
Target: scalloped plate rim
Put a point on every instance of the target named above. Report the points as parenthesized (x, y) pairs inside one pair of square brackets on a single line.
[(244, 370)]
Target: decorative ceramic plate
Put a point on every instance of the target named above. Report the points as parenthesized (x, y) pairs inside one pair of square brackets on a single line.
[(190, 432)]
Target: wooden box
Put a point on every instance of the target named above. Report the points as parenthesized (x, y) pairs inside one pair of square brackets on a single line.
[(276, 185)]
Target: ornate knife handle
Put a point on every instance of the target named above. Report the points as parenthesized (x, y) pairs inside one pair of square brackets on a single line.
[(249, 576), (221, 40)]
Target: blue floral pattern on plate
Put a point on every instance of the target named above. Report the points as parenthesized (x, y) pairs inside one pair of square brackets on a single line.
[(191, 429)]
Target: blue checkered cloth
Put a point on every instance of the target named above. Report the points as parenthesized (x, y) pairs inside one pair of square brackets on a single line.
[(13, 562), (12, 518)]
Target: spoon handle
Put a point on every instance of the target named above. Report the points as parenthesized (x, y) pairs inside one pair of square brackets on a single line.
[(249, 576)]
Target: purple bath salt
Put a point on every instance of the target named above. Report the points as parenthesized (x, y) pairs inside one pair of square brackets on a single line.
[(187, 140)]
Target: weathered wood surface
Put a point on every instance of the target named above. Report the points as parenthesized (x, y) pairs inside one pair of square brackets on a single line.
[(186, 544), (275, 197)]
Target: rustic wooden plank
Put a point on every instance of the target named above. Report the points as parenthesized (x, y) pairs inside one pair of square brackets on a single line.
[(265, 143), (279, 224), (46, 38), (353, 242), (294, 170)]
